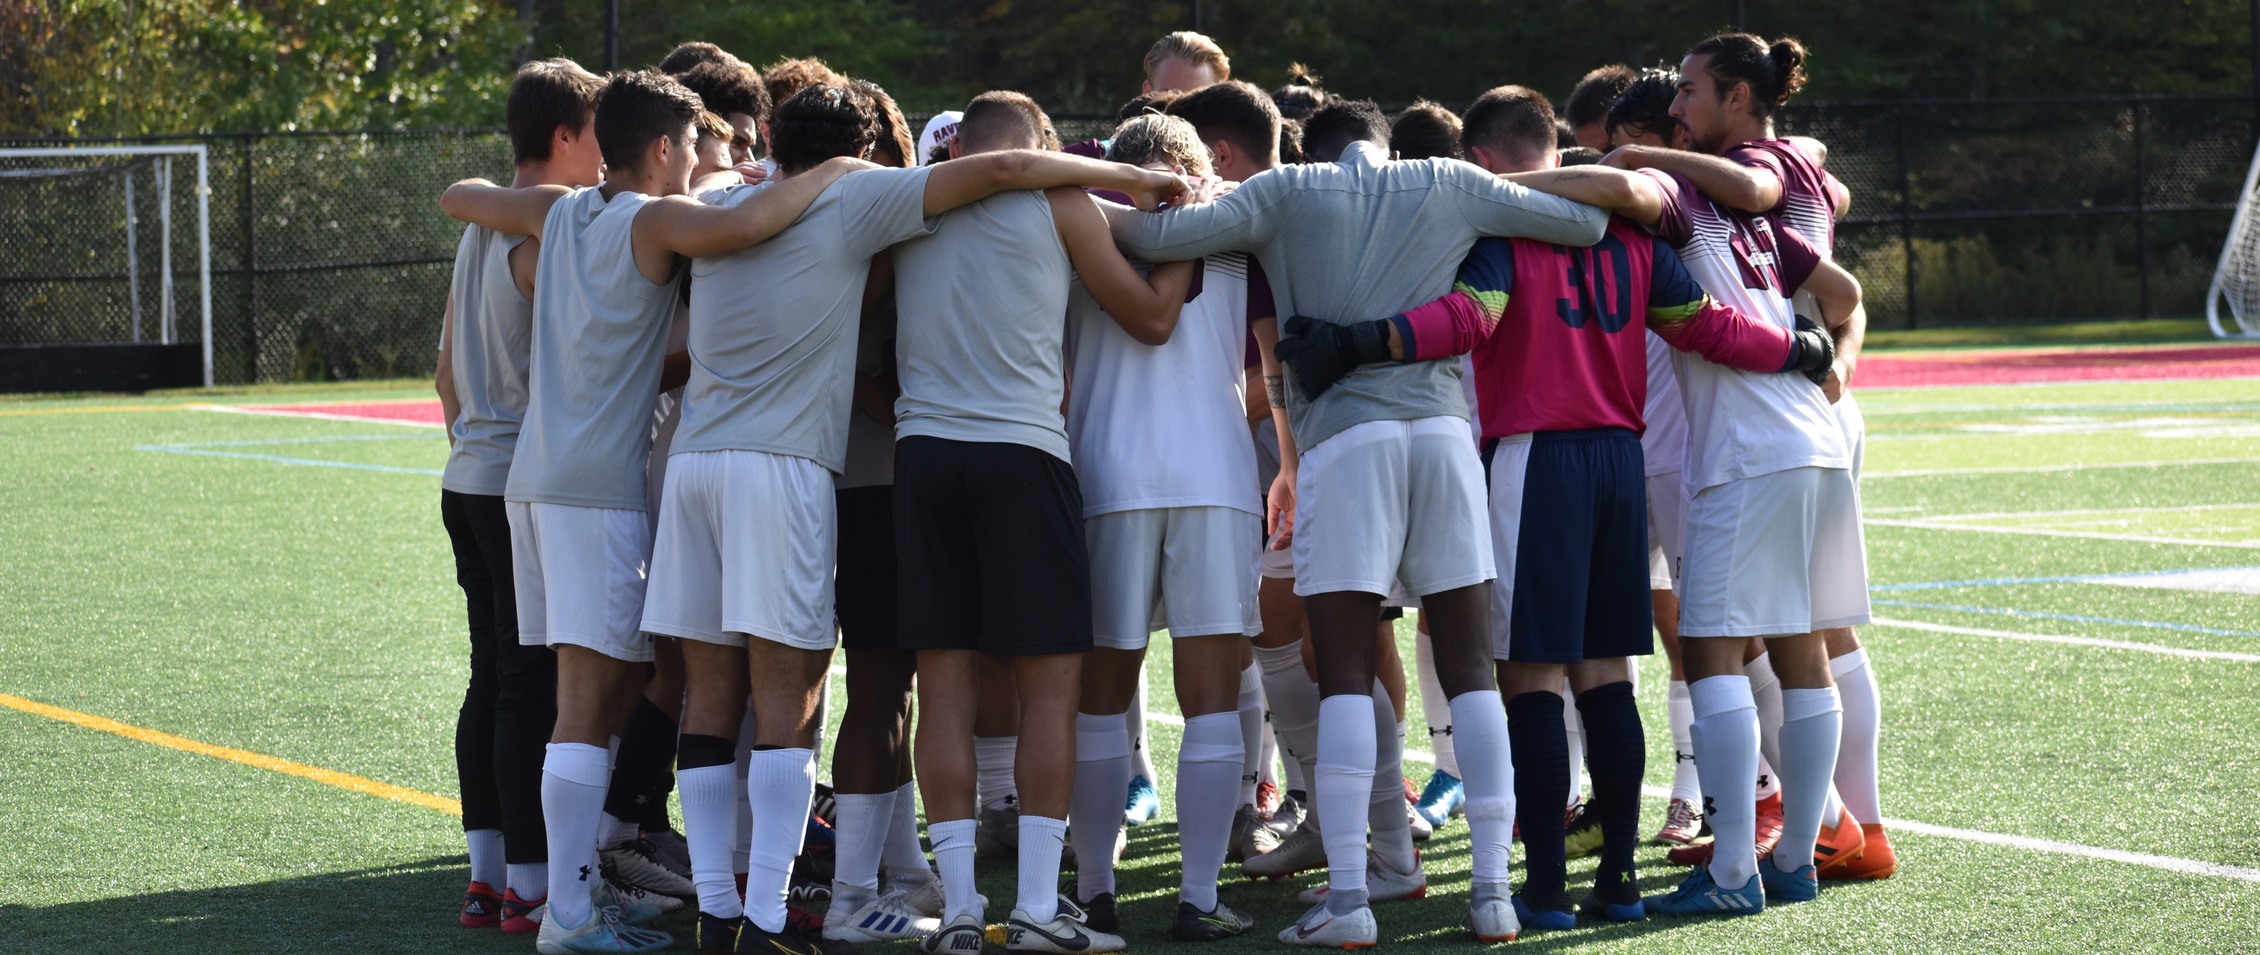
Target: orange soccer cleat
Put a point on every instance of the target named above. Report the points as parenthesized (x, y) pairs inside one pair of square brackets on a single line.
[(1769, 825), (1876, 859), (1839, 846)]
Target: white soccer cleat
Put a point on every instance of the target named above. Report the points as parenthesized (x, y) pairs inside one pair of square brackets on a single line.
[(963, 935), (1323, 929), (633, 863), (1065, 934), (926, 898), (887, 918), (602, 931), (637, 907), (1493, 920), (1382, 883)]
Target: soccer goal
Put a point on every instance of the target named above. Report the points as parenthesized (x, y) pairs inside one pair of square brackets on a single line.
[(2236, 280), (97, 242)]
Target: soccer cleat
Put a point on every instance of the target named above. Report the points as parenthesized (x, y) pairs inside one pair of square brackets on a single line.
[(1839, 846), (1283, 821), (1383, 883), (1143, 803), (1099, 914), (637, 907), (1699, 895), (1268, 798), (630, 861), (1876, 860), (1065, 934), (1245, 844), (520, 917), (1799, 886), (1492, 920), (1421, 830), (825, 805), (1543, 920), (1442, 798), (755, 940), (481, 907), (998, 836), (1194, 925), (887, 918), (964, 935), (1682, 825), (602, 931), (819, 852), (1769, 825), (925, 898), (1582, 837), (1321, 928), (1301, 851), (717, 935), (673, 851), (1631, 911)]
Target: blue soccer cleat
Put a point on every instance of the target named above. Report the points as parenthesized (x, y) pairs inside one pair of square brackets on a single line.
[(1699, 895), (1441, 799), (1144, 802), (1543, 920), (1803, 885)]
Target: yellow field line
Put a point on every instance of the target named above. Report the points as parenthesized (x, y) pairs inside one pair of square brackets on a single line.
[(101, 409), (327, 777)]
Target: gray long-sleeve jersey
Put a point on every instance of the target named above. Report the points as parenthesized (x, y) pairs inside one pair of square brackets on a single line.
[(1357, 240)]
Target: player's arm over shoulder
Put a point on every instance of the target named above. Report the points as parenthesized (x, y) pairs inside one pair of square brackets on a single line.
[(1146, 306), (1498, 207), (681, 225), (1628, 194), (505, 210)]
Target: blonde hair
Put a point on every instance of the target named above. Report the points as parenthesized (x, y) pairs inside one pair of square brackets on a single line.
[(1194, 48), (712, 125), (1154, 137)]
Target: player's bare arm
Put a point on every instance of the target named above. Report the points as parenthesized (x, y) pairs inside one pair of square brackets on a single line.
[(1145, 306), (973, 178), (443, 381), (1728, 183), (683, 227), (1628, 194), (1846, 319), (1279, 503), (503, 209)]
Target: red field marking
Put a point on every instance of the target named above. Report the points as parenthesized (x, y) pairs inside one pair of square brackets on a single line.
[(418, 412), (2061, 364)]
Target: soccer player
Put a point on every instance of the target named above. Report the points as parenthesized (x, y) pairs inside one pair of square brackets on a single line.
[(510, 702), (611, 261), (1387, 483), (732, 90), (1300, 96), (1768, 472), (1560, 385), (1587, 109), (988, 514), (1425, 130), (1185, 60)]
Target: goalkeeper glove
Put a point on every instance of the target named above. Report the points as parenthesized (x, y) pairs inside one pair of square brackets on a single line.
[(1811, 351), (1322, 353)]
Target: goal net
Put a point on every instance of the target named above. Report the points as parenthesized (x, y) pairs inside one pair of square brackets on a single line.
[(2232, 305), (106, 245)]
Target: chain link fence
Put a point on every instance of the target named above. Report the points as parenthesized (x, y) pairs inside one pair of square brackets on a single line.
[(330, 258)]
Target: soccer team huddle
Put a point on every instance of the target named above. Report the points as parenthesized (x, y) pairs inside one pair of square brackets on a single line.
[(982, 413)]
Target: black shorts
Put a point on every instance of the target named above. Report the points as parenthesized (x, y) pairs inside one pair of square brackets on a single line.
[(989, 549), (1581, 556), (864, 584)]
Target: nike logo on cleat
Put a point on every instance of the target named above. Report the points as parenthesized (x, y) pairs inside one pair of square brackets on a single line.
[(1073, 943), (1302, 932)]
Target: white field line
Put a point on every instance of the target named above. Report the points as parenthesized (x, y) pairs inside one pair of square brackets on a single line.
[(2053, 468), (2076, 641), (1991, 515), (1930, 524), (317, 415)]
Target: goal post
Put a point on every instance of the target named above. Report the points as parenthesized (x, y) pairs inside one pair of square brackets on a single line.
[(30, 164), (2236, 278)]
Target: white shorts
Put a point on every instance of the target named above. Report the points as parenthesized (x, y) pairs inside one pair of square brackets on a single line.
[(1855, 427), (1388, 501), (580, 576), (1667, 528), (746, 545), (1184, 569), (1774, 555), (1277, 564)]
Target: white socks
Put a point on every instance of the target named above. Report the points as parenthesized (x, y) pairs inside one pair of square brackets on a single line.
[(1684, 781), (905, 859), (1343, 785), (1040, 839), (1812, 724), (573, 780), (1252, 736), (782, 784), (1725, 734), (1573, 729), (1102, 776), (529, 879), (1293, 697), (485, 846), (1386, 810), (1479, 720), (1434, 709), (953, 851), (992, 760), (862, 828), (710, 827), (1765, 692), (1856, 772), (1208, 777)]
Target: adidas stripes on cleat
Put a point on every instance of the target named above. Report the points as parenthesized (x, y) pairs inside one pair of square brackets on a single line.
[(482, 908), (1839, 846), (1700, 895), (884, 919)]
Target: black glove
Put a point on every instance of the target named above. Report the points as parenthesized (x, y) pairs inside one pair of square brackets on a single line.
[(1321, 353), (1811, 351)]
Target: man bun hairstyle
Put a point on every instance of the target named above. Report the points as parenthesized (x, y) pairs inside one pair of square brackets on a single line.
[(637, 107), (1588, 104), (728, 86), (1301, 95), (786, 77), (1775, 71), (895, 137), (1425, 130), (1003, 119), (682, 58), (1234, 111), (1154, 137), (1516, 121), (1189, 47), (1644, 108), (544, 95), (1328, 133), (820, 123)]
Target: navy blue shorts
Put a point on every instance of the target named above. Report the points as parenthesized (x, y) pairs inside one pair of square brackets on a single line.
[(1573, 508)]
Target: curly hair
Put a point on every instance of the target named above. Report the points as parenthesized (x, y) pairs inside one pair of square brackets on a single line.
[(822, 122), (1154, 137)]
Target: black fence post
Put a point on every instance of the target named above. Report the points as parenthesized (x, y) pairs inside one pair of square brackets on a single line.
[(2141, 213), (250, 261), (1906, 211)]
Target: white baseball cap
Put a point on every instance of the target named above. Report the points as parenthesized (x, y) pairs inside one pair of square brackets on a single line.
[(940, 131)]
